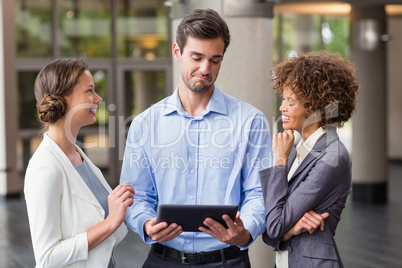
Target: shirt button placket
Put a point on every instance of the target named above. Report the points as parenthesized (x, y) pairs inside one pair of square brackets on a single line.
[(192, 175)]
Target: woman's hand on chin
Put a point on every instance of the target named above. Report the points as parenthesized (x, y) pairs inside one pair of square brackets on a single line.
[(281, 146)]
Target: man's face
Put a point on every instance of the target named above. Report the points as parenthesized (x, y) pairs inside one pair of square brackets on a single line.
[(200, 62)]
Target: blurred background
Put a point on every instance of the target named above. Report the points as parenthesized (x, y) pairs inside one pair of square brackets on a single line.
[(127, 44)]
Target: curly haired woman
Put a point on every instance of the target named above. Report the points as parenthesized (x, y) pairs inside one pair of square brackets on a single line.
[(307, 186)]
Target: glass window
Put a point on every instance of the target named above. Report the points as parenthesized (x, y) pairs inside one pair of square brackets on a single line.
[(27, 117), (142, 29), (335, 35), (297, 33), (34, 28), (85, 28), (27, 143), (100, 80), (142, 89)]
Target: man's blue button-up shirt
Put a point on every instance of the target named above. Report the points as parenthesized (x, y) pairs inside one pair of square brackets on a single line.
[(173, 158)]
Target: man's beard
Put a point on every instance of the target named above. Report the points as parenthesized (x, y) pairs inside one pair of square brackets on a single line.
[(197, 88)]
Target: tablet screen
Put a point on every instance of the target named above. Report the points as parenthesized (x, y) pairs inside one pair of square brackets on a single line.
[(191, 217)]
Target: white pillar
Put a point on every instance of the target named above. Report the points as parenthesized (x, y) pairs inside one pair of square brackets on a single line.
[(10, 182), (245, 69), (146, 90), (368, 52), (306, 35), (394, 107)]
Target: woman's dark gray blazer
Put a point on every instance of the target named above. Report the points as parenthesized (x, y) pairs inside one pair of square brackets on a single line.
[(321, 183)]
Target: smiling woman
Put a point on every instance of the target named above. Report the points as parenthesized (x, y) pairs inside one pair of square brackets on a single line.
[(293, 111), (83, 102), (308, 184), (72, 211)]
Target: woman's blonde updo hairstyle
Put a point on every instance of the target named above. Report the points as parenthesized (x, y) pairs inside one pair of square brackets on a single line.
[(56, 80)]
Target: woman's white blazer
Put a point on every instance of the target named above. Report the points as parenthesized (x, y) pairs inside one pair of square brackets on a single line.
[(61, 209)]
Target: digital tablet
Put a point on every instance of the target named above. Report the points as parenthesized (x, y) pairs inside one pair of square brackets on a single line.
[(191, 217)]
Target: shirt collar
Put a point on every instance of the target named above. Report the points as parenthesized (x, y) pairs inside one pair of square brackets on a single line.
[(216, 104), (173, 104), (304, 148)]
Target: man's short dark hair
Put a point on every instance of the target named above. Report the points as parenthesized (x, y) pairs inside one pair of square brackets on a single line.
[(203, 24)]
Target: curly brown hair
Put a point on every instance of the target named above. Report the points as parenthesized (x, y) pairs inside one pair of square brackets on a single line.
[(324, 81)]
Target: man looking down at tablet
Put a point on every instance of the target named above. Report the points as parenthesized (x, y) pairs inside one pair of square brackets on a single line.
[(198, 146)]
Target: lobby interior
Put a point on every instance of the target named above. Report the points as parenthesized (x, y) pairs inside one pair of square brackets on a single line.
[(127, 45)]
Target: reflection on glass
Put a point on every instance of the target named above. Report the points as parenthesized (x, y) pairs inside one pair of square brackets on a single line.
[(142, 89), (85, 28), (34, 28), (142, 29)]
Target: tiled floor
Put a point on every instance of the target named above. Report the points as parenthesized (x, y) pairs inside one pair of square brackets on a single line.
[(16, 248), (368, 236)]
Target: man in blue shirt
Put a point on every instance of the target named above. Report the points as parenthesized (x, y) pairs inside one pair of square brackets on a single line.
[(198, 146)]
